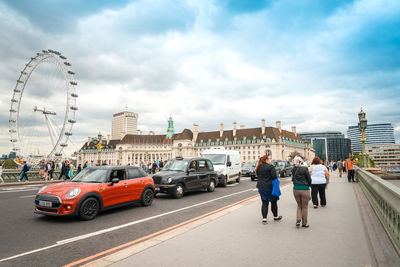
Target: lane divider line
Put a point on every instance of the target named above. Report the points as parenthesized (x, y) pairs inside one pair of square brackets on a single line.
[(81, 237), (152, 238), (27, 196)]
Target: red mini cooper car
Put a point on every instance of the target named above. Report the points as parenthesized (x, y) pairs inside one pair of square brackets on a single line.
[(95, 189)]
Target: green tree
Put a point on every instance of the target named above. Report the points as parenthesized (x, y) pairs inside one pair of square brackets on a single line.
[(9, 164)]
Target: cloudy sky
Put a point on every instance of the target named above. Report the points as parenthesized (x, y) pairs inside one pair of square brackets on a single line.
[(312, 64)]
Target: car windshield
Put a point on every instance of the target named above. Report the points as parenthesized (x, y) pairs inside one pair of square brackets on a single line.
[(280, 164), (175, 165), (216, 159), (90, 175), (249, 165)]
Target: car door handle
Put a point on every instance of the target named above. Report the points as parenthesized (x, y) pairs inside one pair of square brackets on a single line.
[(126, 185), (141, 182)]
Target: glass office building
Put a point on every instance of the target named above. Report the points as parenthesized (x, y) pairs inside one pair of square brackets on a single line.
[(376, 134), (329, 145)]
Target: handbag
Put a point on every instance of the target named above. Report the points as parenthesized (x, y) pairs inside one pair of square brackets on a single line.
[(276, 191)]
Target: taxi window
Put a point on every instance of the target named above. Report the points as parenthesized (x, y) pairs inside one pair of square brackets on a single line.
[(210, 166), (193, 165), (134, 173), (202, 165), (120, 174)]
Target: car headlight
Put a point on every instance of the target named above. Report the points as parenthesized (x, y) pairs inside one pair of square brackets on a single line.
[(73, 193), (169, 180), (41, 189)]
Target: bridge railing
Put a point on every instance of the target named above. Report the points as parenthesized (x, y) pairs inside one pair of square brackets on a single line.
[(385, 199), (33, 175)]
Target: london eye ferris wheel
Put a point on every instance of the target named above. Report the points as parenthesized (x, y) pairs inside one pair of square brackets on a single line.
[(43, 107)]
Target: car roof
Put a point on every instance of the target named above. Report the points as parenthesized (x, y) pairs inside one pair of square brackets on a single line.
[(107, 167), (192, 158)]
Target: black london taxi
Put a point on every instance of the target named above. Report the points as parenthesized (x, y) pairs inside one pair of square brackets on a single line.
[(182, 175)]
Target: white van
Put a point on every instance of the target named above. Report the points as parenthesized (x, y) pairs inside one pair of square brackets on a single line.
[(226, 164)]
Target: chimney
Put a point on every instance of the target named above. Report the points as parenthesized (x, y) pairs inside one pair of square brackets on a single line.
[(195, 132), (88, 140), (234, 128), (294, 130), (263, 126), (221, 130), (242, 126), (278, 125), (108, 138)]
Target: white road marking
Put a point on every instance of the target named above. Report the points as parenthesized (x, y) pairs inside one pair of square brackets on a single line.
[(235, 184), (25, 190), (81, 237), (27, 196)]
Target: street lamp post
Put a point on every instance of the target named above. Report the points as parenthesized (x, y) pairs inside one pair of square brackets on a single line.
[(362, 125), (99, 146)]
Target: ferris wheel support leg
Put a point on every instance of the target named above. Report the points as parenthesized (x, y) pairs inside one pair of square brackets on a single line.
[(50, 130)]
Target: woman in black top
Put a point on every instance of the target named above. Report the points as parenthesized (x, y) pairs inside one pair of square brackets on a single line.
[(266, 173)]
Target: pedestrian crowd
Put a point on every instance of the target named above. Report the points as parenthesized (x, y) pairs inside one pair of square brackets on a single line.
[(314, 178)]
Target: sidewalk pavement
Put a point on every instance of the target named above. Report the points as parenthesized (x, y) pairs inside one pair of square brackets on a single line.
[(336, 237)]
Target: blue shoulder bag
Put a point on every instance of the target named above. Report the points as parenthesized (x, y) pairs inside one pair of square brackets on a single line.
[(276, 191)]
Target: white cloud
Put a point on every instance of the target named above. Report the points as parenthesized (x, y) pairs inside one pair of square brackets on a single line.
[(200, 74)]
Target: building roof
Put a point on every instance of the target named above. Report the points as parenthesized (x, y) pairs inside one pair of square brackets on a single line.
[(144, 139), (270, 132), (186, 134)]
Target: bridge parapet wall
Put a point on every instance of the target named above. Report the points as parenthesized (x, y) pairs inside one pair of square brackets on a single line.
[(385, 199)]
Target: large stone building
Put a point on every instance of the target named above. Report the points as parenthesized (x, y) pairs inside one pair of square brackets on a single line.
[(124, 123), (251, 142)]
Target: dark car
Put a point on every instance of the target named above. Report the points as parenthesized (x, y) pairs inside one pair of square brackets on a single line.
[(283, 168), (248, 169), (95, 189), (182, 175)]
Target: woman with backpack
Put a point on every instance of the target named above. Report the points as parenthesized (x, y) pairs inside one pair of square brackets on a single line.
[(301, 190), (266, 174)]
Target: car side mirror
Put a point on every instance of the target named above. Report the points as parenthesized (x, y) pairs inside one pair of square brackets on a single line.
[(229, 164), (114, 181)]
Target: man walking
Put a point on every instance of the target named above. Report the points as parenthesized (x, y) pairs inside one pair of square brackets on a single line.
[(350, 170), (23, 174), (340, 167), (62, 172)]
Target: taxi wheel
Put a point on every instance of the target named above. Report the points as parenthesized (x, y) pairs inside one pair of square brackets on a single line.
[(224, 181), (89, 209), (211, 186), (178, 192), (147, 197)]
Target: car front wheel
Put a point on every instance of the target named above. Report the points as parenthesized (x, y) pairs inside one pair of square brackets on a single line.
[(147, 197), (211, 186), (89, 209), (178, 192)]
